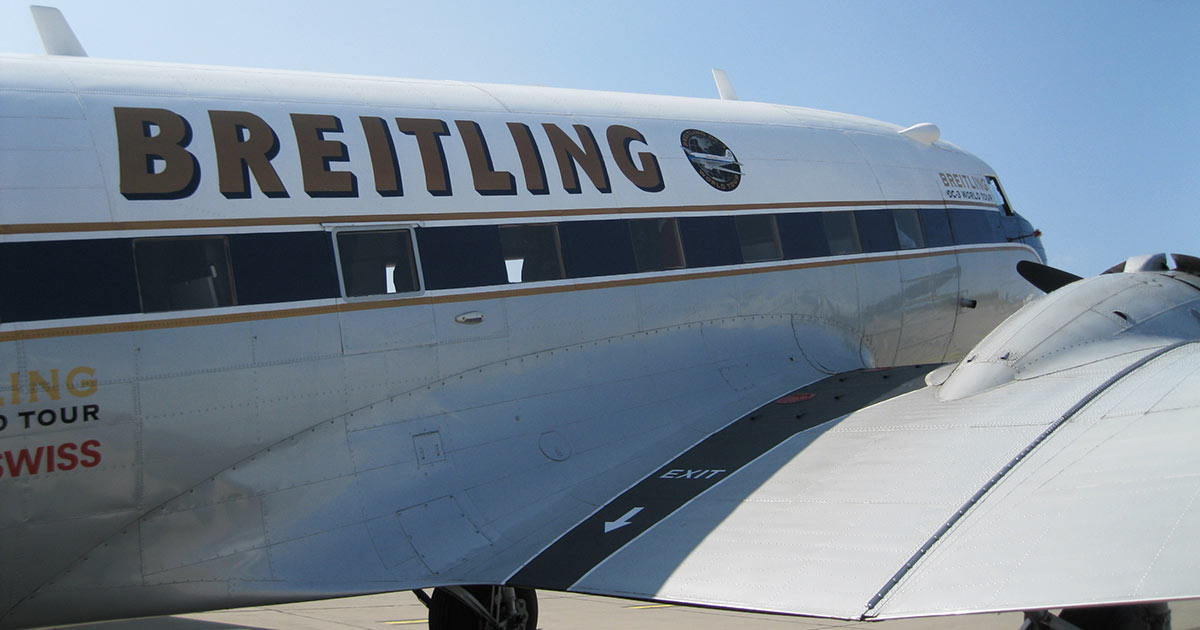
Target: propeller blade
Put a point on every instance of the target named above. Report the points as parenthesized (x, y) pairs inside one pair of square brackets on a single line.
[(1187, 264), (1045, 277)]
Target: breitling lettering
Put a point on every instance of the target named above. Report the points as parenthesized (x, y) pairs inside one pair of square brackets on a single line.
[(155, 160), (50, 458), (958, 180), (959, 186), (36, 385)]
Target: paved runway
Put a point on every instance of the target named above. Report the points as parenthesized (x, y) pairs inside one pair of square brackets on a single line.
[(397, 611)]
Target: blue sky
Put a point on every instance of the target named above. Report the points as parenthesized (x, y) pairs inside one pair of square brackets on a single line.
[(1088, 111)]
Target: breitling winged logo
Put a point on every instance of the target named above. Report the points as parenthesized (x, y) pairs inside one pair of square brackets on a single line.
[(715, 163)]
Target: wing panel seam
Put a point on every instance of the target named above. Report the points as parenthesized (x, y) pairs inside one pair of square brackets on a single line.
[(962, 511)]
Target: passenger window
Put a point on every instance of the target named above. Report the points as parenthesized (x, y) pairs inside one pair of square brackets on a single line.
[(758, 236), (841, 232), (802, 235), (935, 225), (877, 230), (656, 244), (531, 252), (971, 226), (178, 274), (462, 256), (377, 263), (597, 248), (61, 279), (709, 241), (283, 267), (908, 228)]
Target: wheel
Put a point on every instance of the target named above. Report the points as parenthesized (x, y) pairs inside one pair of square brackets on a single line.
[(518, 612)]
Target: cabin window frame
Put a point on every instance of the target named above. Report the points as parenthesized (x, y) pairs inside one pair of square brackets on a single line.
[(876, 230), (108, 273), (772, 224), (935, 227), (671, 227), (829, 221), (973, 226), (308, 264), (230, 281), (411, 228), (1002, 203), (915, 232), (558, 250), (597, 245)]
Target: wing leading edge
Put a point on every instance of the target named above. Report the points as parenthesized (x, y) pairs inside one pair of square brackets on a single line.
[(1055, 467)]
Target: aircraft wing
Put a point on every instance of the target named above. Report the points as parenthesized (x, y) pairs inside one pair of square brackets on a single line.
[(1056, 466)]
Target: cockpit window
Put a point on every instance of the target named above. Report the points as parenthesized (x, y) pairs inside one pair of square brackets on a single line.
[(998, 196)]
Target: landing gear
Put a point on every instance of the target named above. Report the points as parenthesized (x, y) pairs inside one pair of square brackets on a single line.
[(1128, 617), (481, 608)]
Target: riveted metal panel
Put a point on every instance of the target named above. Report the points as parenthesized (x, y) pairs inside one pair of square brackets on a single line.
[(179, 538), (441, 533)]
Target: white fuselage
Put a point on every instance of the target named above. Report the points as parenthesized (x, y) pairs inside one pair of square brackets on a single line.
[(274, 427)]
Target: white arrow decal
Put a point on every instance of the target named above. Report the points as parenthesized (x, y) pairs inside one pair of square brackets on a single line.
[(621, 522)]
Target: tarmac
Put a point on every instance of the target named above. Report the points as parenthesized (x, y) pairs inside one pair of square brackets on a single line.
[(398, 611)]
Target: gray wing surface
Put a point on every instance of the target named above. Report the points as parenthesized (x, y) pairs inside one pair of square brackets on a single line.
[(1055, 466), (1105, 511), (1072, 488)]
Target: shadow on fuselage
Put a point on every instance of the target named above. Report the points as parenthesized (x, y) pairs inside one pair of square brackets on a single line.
[(665, 517)]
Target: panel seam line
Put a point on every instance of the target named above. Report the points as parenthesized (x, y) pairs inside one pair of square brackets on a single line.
[(933, 540)]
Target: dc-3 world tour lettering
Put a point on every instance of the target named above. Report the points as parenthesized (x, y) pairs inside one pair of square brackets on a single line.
[(155, 162)]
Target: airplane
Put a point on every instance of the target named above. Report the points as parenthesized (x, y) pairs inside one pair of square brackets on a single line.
[(280, 336)]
